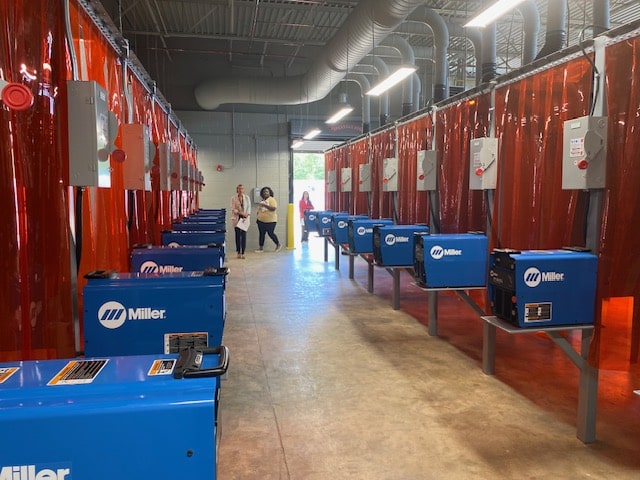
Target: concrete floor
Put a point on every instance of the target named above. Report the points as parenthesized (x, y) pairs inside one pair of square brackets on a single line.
[(327, 381)]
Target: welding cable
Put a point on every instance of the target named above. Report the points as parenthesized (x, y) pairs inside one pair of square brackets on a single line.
[(78, 222), (596, 73), (132, 199)]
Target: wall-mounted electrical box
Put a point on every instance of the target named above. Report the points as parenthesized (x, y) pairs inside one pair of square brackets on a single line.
[(345, 179), (192, 177), (584, 153), (200, 180), (483, 153), (164, 165), (89, 139), (184, 183), (176, 171), (256, 195), (390, 175), (364, 184), (426, 172), (331, 181), (137, 165)]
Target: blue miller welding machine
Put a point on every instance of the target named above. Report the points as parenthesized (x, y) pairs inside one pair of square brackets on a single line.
[(136, 417), (323, 220), (310, 217), (532, 288), (192, 258), (180, 239), (340, 226), (139, 314), (360, 233), (202, 226), (451, 260), (393, 244)]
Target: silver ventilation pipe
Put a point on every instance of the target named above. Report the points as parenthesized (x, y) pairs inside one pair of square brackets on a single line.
[(488, 64), (475, 37), (441, 44), (365, 86), (556, 37), (601, 20), (368, 24), (383, 72), (417, 89), (531, 26), (408, 58)]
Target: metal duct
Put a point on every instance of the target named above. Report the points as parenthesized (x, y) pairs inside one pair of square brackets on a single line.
[(408, 58), (365, 85), (531, 27), (417, 89), (556, 36), (441, 44), (489, 52), (369, 23), (601, 20), (383, 71), (475, 36)]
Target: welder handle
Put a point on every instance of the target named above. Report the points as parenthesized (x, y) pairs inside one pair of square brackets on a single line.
[(218, 370)]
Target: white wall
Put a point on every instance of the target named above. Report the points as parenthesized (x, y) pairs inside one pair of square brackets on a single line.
[(253, 149)]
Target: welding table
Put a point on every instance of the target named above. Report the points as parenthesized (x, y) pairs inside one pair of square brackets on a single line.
[(432, 295), (588, 387)]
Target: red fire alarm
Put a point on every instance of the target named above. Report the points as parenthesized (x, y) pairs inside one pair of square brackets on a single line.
[(219, 168)]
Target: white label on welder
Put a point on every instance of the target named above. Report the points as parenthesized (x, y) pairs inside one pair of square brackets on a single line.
[(6, 372), (162, 367), (537, 312), (576, 147), (174, 342), (78, 372)]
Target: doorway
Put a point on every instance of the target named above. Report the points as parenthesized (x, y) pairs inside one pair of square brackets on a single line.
[(308, 175)]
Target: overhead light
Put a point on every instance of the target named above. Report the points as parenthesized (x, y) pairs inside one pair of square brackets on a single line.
[(343, 111), (297, 143), (492, 13), (312, 134), (396, 77)]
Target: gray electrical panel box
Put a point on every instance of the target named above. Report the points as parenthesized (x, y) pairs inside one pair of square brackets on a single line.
[(331, 181), (426, 173), (184, 181), (137, 165), (364, 184), (345, 179), (483, 170), (584, 153), (88, 135), (176, 171), (256, 195), (390, 175), (164, 166)]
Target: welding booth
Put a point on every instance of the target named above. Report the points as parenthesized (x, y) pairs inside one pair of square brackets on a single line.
[(149, 416), (139, 313), (190, 258)]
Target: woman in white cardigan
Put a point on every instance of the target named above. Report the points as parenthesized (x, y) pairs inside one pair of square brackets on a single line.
[(240, 209)]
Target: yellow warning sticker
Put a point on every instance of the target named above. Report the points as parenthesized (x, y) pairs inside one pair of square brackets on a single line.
[(6, 372), (162, 367)]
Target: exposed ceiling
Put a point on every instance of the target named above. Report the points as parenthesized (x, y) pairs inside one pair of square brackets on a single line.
[(183, 42)]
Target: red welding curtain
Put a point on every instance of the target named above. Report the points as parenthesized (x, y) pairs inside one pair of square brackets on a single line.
[(461, 210), (36, 309), (619, 268), (532, 210), (382, 146)]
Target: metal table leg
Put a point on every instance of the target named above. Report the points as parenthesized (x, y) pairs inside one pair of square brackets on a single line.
[(432, 327), (488, 349)]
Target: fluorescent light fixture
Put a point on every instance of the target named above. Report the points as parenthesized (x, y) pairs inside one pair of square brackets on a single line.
[(312, 134), (345, 109), (396, 77), (297, 143), (492, 13)]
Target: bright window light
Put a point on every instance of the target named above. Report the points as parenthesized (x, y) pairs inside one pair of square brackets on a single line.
[(396, 77), (340, 114), (492, 13), (296, 144), (312, 134)]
